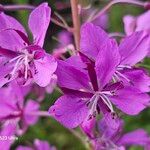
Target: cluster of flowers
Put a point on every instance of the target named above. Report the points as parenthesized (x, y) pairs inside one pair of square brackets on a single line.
[(100, 80)]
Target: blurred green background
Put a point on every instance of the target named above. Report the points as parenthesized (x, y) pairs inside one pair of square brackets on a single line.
[(47, 128)]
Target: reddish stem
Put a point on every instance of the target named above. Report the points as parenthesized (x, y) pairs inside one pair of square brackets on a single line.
[(76, 22)]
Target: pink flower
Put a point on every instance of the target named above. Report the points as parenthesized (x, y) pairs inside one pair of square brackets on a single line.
[(22, 60)]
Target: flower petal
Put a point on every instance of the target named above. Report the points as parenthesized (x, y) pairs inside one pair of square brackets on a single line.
[(130, 100), (38, 23), (138, 78), (8, 130), (72, 78), (137, 137), (10, 22), (69, 111), (106, 62), (30, 110), (143, 21), (45, 67), (10, 39), (110, 126), (129, 24), (92, 39), (134, 48)]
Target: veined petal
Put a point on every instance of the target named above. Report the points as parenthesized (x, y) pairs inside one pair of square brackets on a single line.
[(106, 62), (110, 126), (93, 38), (10, 22), (134, 48), (44, 67), (75, 61), (10, 39), (69, 111), (72, 78), (130, 100), (139, 79), (38, 23), (137, 137)]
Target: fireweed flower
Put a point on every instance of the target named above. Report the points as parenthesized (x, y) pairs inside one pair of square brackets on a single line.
[(22, 60), (38, 145), (16, 111), (111, 136), (88, 86), (132, 50)]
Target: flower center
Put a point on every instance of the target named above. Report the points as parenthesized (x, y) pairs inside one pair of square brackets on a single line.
[(21, 62), (93, 102)]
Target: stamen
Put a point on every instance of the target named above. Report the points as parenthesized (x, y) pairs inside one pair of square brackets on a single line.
[(107, 102), (92, 104), (121, 75)]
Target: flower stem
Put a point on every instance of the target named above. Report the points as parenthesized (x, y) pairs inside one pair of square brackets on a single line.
[(76, 22), (40, 113), (16, 7), (111, 3)]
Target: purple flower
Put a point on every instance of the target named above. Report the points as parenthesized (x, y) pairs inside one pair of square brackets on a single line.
[(14, 110), (20, 59), (88, 86), (94, 40), (112, 137), (38, 145)]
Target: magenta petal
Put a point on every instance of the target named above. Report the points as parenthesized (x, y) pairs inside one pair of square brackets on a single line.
[(110, 126), (143, 21), (88, 126), (129, 24), (76, 61), (137, 137), (92, 39), (139, 79), (8, 131), (10, 22), (72, 78), (134, 48), (38, 23), (45, 67), (30, 110), (130, 100), (10, 39), (106, 62), (69, 111)]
